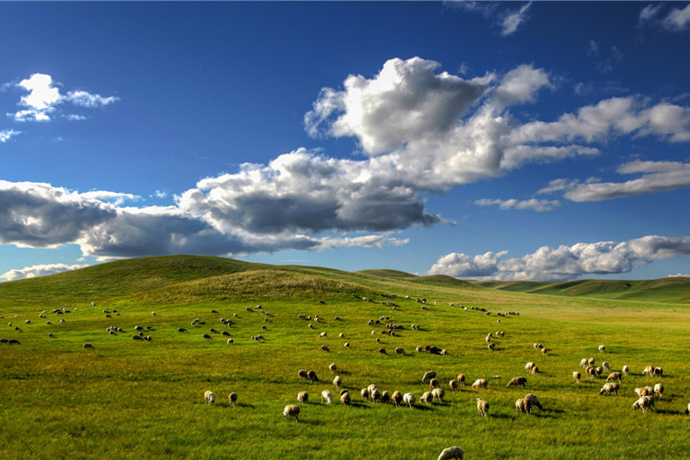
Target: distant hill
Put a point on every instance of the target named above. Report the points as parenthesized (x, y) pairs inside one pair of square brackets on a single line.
[(675, 289)]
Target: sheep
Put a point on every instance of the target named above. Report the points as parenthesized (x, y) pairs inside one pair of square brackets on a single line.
[(230, 341), (397, 398), (658, 389), (521, 406), (449, 453), (291, 411), (590, 361), (591, 372), (327, 396), (658, 371), (232, 397), (209, 397), (88, 345), (434, 383), (517, 381), (687, 411), (375, 395), (649, 370), (409, 399), (426, 398), (325, 348), (428, 376), (365, 393), (453, 384), (609, 388), (584, 362), (645, 391), (303, 397), (337, 381), (332, 367), (491, 346), (614, 376), (543, 351), (302, 374), (480, 383), (576, 376), (602, 348), (535, 370), (532, 401), (346, 344), (605, 365), (483, 407), (626, 370), (461, 379), (645, 403), (438, 393), (529, 366), (399, 351), (345, 398)]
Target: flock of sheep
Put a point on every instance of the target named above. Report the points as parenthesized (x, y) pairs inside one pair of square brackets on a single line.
[(647, 396)]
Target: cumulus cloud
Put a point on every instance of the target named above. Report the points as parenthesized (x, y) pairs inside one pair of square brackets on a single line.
[(648, 13), (657, 176), (513, 19), (44, 98), (38, 270), (678, 19), (565, 262), (532, 204), (7, 134)]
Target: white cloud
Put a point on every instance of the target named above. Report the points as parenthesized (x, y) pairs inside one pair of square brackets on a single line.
[(677, 19), (532, 204), (44, 99), (565, 262), (648, 13), (680, 275), (512, 20), (38, 270), (658, 176), (7, 134)]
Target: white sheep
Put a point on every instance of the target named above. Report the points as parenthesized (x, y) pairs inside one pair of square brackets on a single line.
[(602, 348), (453, 384), (438, 394), (584, 362), (608, 388), (428, 376), (209, 397), (291, 411), (529, 366), (327, 396), (645, 403), (426, 398), (626, 370), (345, 398), (337, 381), (605, 365), (409, 399), (332, 367), (480, 383), (483, 407), (454, 452), (232, 397), (659, 389), (576, 376), (303, 397)]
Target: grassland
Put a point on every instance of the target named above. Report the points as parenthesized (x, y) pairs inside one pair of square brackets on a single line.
[(136, 399)]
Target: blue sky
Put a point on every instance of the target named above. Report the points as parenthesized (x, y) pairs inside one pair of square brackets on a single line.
[(484, 140)]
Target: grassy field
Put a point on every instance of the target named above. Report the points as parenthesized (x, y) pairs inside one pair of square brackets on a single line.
[(128, 398)]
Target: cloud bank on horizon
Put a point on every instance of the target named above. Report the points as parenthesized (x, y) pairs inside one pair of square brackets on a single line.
[(420, 132)]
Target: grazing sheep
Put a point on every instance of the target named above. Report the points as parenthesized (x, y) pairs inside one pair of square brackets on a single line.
[(544, 351), (399, 351), (483, 407), (365, 393), (535, 370), (687, 410), (614, 376), (337, 381), (428, 376), (232, 397), (584, 362), (602, 348), (461, 379), (209, 397), (397, 398), (605, 365), (658, 390), (303, 397), (645, 391), (453, 384), (375, 395), (576, 376), (325, 348), (438, 393), (658, 371), (609, 388), (517, 381), (332, 367), (302, 374), (645, 403), (206, 336), (649, 370), (591, 372), (491, 346), (88, 345), (346, 344), (409, 399), (454, 452), (426, 398), (480, 383), (327, 396), (312, 376), (590, 361), (521, 406), (529, 366), (434, 383), (181, 329), (532, 401), (291, 411), (345, 398), (626, 370)]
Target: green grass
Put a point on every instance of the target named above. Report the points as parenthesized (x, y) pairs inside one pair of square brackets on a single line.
[(137, 399)]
